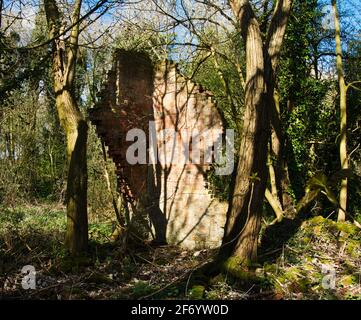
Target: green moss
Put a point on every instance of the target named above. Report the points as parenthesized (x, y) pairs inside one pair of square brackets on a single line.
[(349, 280), (212, 295), (239, 269), (292, 274), (317, 243), (308, 267), (197, 292), (266, 283), (300, 286), (305, 240), (317, 230), (347, 228), (236, 267), (317, 220), (294, 280), (271, 268), (352, 248)]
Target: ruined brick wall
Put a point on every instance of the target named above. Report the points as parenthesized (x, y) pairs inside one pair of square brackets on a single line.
[(173, 191)]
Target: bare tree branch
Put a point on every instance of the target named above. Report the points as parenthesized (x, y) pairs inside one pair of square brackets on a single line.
[(66, 30)]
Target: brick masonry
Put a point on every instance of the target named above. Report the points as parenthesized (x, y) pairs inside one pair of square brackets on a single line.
[(174, 194)]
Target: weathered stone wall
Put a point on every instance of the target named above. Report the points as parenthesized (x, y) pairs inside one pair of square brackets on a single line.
[(173, 193)]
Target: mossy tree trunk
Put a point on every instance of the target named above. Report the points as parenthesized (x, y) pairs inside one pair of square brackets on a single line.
[(262, 54), (343, 115), (73, 124)]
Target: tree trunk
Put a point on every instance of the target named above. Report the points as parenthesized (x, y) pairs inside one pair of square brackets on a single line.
[(76, 129), (277, 151), (244, 217), (276, 32), (343, 115), (73, 124), (273, 201)]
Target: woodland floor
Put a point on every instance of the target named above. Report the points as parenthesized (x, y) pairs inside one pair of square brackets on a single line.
[(295, 257)]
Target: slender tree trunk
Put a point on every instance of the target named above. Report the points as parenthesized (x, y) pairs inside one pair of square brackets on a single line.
[(277, 155), (288, 203), (343, 115), (73, 124), (274, 203)]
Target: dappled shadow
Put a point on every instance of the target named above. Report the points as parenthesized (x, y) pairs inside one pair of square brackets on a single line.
[(171, 191), (105, 273), (276, 236)]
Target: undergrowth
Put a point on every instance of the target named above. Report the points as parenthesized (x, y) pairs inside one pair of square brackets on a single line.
[(314, 259)]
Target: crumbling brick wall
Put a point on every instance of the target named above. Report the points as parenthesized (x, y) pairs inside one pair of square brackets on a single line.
[(173, 193)]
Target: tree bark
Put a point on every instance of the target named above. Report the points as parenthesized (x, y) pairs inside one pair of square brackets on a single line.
[(244, 217), (343, 115), (243, 221), (278, 152), (73, 124)]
